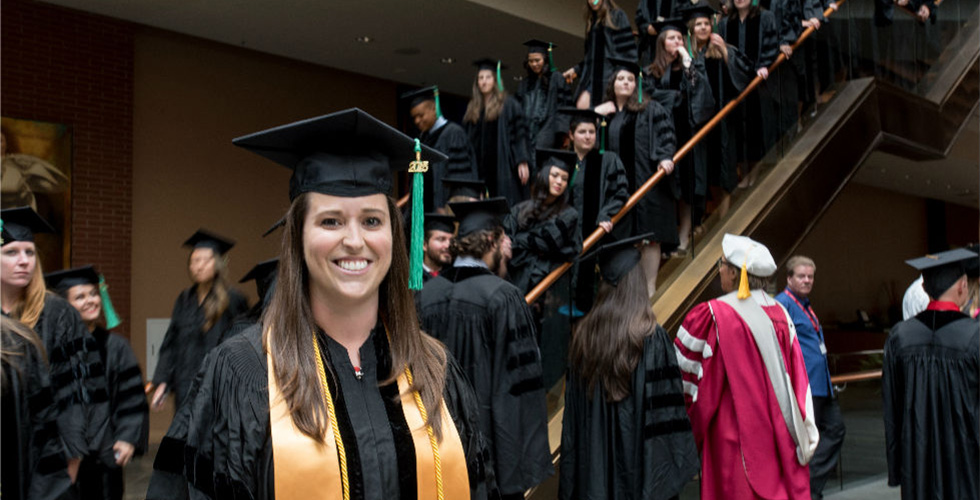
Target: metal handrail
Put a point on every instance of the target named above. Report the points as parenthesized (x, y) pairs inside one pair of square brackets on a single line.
[(552, 277)]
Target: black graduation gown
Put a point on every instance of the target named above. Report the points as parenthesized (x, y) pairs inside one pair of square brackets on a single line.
[(500, 146), (931, 392), (639, 447), (487, 326), (539, 246), (755, 119), (185, 345), (33, 454), (609, 194), (78, 381), (601, 43), (220, 444), (784, 82), (726, 82), (540, 98), (126, 417), (685, 93), (643, 139), (452, 141)]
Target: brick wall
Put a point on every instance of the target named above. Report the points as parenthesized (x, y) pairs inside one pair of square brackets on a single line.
[(65, 66)]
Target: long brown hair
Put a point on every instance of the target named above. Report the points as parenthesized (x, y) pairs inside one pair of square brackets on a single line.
[(607, 344), (28, 309), (632, 103), (601, 16), (537, 208), (288, 324), (710, 51), (216, 302), (16, 339), (494, 102), (661, 60)]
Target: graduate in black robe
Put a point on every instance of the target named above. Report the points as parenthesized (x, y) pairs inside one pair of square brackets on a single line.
[(930, 387), (727, 72), (123, 422), (231, 393), (497, 130), (444, 136), (33, 454), (784, 82), (488, 327), (542, 91), (598, 191), (187, 340), (264, 275), (544, 230), (679, 83), (77, 376), (756, 36), (625, 431), (385, 401), (608, 34)]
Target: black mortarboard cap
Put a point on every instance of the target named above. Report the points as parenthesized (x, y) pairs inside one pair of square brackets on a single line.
[(416, 97), (348, 153), (561, 158), (696, 10), (621, 64), (62, 281), (577, 116), (440, 222), (21, 223), (617, 259), (264, 273), (538, 46), (973, 265), (479, 215), (458, 186), (487, 63), (941, 270), (206, 239), (674, 23)]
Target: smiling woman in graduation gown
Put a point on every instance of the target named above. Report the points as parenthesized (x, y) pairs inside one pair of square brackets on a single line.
[(625, 432), (337, 393)]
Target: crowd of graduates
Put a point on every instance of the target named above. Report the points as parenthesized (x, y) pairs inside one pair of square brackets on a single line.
[(510, 194)]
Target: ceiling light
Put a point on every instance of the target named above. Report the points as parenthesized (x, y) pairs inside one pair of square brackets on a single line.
[(447, 60), (364, 39)]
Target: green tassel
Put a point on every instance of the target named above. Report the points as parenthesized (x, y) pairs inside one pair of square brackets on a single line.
[(639, 89), (689, 51), (418, 228), (438, 107), (571, 182), (551, 58), (111, 318), (602, 137), (500, 81), (755, 3), (1, 231)]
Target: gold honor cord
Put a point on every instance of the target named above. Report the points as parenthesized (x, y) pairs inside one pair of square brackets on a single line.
[(328, 400), (341, 451), (436, 460)]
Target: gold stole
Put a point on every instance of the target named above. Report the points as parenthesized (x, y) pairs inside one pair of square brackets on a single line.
[(307, 469)]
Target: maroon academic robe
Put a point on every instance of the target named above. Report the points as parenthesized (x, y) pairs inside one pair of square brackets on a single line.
[(747, 449)]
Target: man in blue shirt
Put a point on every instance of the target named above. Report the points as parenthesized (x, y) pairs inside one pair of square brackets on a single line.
[(796, 300)]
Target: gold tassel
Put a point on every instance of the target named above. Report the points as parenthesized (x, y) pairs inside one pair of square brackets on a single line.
[(743, 282)]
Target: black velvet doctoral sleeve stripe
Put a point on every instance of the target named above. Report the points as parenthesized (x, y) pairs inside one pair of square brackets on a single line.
[(131, 410), (669, 427), (131, 392), (521, 359), (665, 400), (662, 373), (526, 385), (133, 372), (404, 445)]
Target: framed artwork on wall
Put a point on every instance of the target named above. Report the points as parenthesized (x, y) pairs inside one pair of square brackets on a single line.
[(35, 171)]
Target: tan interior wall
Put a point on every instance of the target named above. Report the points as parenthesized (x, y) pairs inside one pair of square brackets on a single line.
[(191, 98), (860, 246)]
